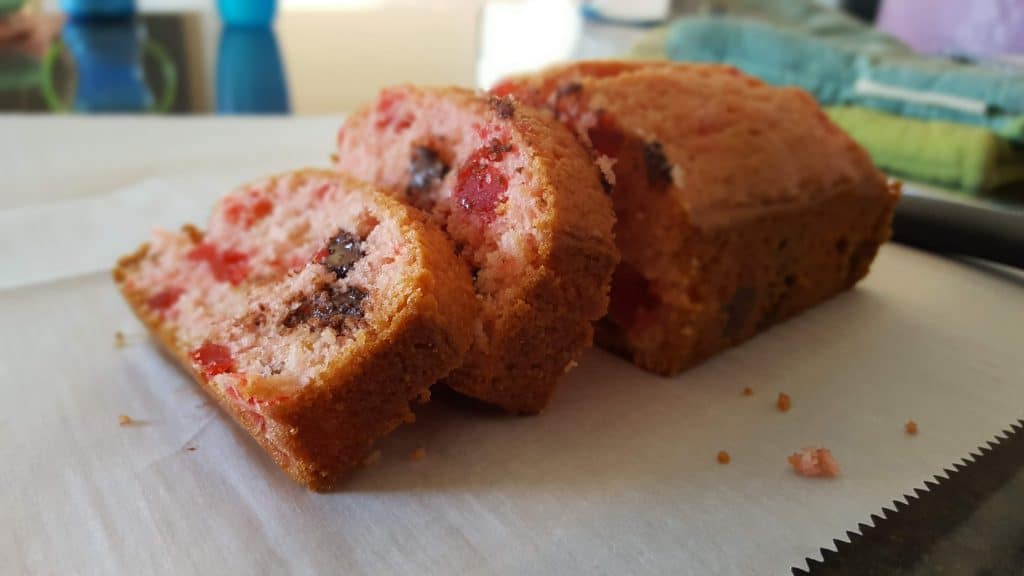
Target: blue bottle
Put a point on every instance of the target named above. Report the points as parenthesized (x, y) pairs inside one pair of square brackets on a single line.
[(97, 9), (108, 58), (247, 13), (250, 73)]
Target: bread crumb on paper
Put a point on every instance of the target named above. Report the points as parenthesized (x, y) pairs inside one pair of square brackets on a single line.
[(814, 462), (418, 454), (723, 457), (748, 391), (783, 403), (119, 340), (124, 420), (911, 427)]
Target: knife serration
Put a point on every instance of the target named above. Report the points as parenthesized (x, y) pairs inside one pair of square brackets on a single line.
[(905, 537)]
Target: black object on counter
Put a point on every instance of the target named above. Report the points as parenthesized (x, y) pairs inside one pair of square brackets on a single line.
[(952, 227)]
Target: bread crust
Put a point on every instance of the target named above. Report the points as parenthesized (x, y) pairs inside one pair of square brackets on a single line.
[(724, 228), (322, 433)]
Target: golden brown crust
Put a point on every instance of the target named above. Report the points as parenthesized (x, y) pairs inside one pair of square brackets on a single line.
[(544, 332), (735, 236), (325, 431), (756, 275)]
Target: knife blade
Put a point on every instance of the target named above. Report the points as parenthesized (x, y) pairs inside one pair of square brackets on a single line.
[(938, 224), (966, 520)]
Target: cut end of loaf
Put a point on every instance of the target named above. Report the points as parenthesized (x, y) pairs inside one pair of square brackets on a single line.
[(315, 309), (524, 208), (466, 167), (278, 287)]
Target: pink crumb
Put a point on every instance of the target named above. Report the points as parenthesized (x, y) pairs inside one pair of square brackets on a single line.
[(814, 462)]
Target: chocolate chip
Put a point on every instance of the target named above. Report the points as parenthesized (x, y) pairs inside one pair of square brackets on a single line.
[(343, 250), (659, 171), (328, 307), (255, 318), (568, 89), (503, 106), (564, 101), (426, 170), (296, 316), (331, 307), (496, 150), (605, 184), (738, 310)]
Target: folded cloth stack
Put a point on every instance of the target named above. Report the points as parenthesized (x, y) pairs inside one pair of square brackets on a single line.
[(934, 120)]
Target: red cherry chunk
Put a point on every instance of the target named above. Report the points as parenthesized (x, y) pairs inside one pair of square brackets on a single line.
[(213, 359), (260, 208), (504, 88), (247, 210), (605, 136), (387, 111), (321, 192), (227, 266), (631, 296), (480, 186), (164, 299)]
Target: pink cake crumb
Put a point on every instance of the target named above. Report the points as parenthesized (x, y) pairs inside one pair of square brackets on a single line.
[(814, 462)]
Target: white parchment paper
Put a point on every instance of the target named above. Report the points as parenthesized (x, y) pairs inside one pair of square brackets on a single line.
[(617, 477)]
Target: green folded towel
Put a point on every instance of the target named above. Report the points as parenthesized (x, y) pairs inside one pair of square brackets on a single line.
[(843, 62), (948, 154), (929, 120)]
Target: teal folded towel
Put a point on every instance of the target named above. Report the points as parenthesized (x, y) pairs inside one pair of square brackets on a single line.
[(844, 62)]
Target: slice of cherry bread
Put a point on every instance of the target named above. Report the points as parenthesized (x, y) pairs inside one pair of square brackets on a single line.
[(738, 204), (314, 310), (523, 203)]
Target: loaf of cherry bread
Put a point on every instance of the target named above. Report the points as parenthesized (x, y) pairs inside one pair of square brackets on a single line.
[(524, 205), (738, 204), (314, 309)]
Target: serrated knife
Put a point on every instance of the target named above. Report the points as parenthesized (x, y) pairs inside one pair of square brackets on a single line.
[(969, 520)]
